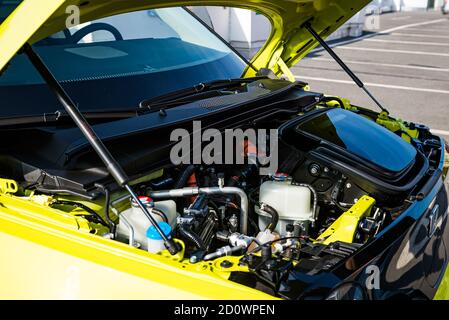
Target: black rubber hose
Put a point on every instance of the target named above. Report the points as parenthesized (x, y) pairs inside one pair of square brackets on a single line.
[(184, 176), (162, 183), (274, 216), (107, 202), (160, 214), (98, 218), (191, 236)]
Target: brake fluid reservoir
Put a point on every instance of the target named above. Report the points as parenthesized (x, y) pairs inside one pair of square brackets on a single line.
[(135, 217), (292, 202)]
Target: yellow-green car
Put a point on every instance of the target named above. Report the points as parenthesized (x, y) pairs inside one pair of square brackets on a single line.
[(320, 199)]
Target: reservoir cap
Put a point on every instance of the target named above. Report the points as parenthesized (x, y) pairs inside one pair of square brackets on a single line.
[(280, 176), (154, 235), (146, 201)]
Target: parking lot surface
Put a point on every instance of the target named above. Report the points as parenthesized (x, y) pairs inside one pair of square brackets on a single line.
[(405, 64)]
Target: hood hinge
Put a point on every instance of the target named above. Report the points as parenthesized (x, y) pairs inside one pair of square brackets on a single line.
[(276, 63), (286, 70)]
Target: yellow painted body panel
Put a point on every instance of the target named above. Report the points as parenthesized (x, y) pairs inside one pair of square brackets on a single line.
[(22, 24), (397, 126), (45, 255), (443, 288), (344, 228)]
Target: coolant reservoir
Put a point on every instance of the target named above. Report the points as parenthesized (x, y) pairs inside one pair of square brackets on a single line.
[(292, 202), (135, 217)]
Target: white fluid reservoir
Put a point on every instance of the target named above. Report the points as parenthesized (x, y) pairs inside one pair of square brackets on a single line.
[(292, 202), (140, 223), (155, 242)]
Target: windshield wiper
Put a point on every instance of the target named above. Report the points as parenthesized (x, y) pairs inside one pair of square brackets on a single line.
[(62, 118), (112, 165), (198, 91)]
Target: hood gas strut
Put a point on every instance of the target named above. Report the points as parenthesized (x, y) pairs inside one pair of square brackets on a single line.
[(112, 165), (332, 53)]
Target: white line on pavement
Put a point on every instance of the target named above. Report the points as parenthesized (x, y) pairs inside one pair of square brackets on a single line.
[(429, 30), (401, 18), (440, 132), (418, 24), (386, 32), (409, 42), (379, 85), (419, 35), (390, 65), (439, 54)]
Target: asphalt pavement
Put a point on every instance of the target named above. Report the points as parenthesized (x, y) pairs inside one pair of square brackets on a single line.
[(405, 64)]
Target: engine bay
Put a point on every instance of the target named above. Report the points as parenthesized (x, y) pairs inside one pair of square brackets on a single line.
[(324, 203)]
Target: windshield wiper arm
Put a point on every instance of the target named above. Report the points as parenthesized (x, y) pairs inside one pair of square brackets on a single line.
[(59, 117), (110, 162), (195, 90), (332, 53)]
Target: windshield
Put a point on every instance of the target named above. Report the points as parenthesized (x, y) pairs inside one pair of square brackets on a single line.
[(115, 62)]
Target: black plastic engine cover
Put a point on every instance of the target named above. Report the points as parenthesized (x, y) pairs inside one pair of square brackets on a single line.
[(376, 160)]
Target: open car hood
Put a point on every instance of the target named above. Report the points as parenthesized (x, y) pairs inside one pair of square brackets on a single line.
[(34, 20)]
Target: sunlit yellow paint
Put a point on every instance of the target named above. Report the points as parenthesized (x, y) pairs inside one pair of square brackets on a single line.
[(397, 125), (443, 288), (52, 254), (346, 104), (345, 227), (446, 163), (62, 248), (286, 71), (46, 255), (8, 186)]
